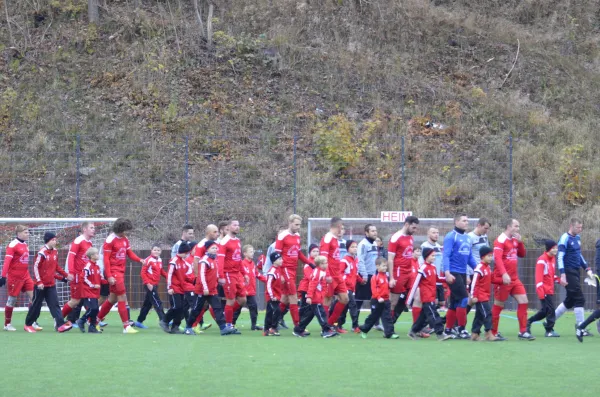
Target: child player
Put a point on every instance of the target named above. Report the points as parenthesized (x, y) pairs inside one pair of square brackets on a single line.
[(481, 286), (175, 279), (90, 292), (351, 277), (544, 283), (380, 303), (426, 281), (249, 269), (313, 252), (273, 295), (416, 305), (314, 301), (151, 272)]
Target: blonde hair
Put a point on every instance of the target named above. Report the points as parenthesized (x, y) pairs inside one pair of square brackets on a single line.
[(91, 251), (320, 259), (20, 228), (293, 217), (246, 248)]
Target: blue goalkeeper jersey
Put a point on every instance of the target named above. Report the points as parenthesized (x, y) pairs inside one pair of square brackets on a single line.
[(569, 253), (457, 252)]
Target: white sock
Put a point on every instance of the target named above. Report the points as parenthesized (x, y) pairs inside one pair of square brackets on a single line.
[(579, 317), (560, 310)]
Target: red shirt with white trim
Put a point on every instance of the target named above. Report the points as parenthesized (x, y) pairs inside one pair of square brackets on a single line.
[(306, 272), (330, 248), (428, 278), (116, 250), (288, 245), (91, 276), (273, 289), (176, 274), (350, 270), (506, 254), (230, 255), (481, 285), (249, 269), (401, 245), (151, 271), (380, 287), (16, 261), (76, 260), (545, 275), (45, 269), (207, 276), (317, 286)]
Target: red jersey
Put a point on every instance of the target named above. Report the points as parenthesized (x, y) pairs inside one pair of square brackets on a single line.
[(506, 254), (350, 270), (16, 261), (152, 270), (401, 245), (317, 286), (176, 274), (116, 250), (288, 245), (249, 269), (380, 288), (200, 249), (330, 248), (230, 255), (207, 276), (545, 275), (76, 260), (482, 282), (46, 269), (91, 276), (307, 272), (188, 283), (427, 280), (273, 290), (415, 264)]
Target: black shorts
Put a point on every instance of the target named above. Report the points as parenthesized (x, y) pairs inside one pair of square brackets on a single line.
[(458, 289), (104, 290), (221, 291), (574, 296)]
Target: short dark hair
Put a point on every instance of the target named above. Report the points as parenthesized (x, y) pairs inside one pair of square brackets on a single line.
[(411, 219), (458, 216), (335, 221), (368, 226), (223, 225), (509, 222), (576, 221), (381, 260), (186, 227), (122, 225), (483, 221)]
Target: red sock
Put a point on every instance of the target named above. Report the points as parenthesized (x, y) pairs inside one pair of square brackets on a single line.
[(282, 307), (416, 312), (229, 314), (450, 318), (522, 316), (7, 315), (122, 307), (236, 306), (199, 318), (66, 310), (496, 310), (212, 313), (295, 313), (104, 309), (461, 316), (337, 310)]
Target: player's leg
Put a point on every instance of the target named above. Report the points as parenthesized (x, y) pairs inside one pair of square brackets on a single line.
[(307, 315), (433, 318), (341, 291), (35, 309), (401, 289), (477, 322), (174, 314), (14, 288), (92, 304), (418, 325), (519, 294), (253, 309), (371, 320), (353, 309), (195, 309), (146, 306), (215, 305), (539, 315), (501, 294), (550, 316), (417, 306)]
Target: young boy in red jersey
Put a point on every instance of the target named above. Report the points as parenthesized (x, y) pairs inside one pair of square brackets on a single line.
[(189, 299), (351, 276), (273, 295), (426, 282), (317, 288), (46, 271), (481, 286), (416, 305), (15, 273), (175, 279), (545, 277), (249, 269), (90, 291), (206, 271), (380, 303), (313, 252), (151, 272)]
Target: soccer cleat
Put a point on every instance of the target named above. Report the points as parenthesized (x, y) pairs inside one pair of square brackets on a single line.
[(164, 326), (36, 326), (282, 324), (412, 335), (378, 327), (235, 331), (257, 328), (356, 330), (586, 332), (226, 331), (204, 327), (444, 336), (428, 330), (137, 324), (526, 336), (393, 336), (528, 329), (464, 334), (328, 334), (423, 334), (579, 334), (80, 324), (189, 331), (197, 330), (93, 330), (273, 332), (363, 335), (130, 330), (176, 331), (29, 328), (340, 330), (65, 327), (75, 324), (300, 334), (551, 334), (501, 338), (102, 324)]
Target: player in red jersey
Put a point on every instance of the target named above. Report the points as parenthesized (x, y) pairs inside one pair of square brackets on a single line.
[(545, 277), (426, 281), (175, 278), (288, 245), (330, 248), (273, 295), (416, 304), (15, 273), (481, 286), (116, 250), (313, 252), (380, 303), (249, 269), (90, 289), (508, 247), (46, 271), (230, 272), (400, 257), (76, 261), (151, 272), (351, 277)]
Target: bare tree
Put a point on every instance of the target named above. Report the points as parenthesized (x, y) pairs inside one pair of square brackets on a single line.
[(12, 40), (199, 17), (93, 12), (209, 28)]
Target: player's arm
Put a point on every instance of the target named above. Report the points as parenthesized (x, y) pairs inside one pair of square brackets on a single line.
[(203, 277), (476, 275), (413, 290), (36, 270), (86, 279), (375, 288), (521, 250), (391, 256), (107, 250), (63, 274), (144, 271), (170, 278), (498, 253), (472, 262), (71, 259), (270, 278), (540, 267), (304, 259), (133, 256), (560, 257), (312, 284), (221, 261)]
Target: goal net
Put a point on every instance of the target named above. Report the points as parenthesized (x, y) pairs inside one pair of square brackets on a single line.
[(66, 230)]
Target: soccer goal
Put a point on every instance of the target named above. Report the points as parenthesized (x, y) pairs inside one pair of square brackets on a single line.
[(66, 230)]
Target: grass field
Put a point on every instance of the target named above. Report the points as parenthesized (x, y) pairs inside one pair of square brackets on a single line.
[(153, 363)]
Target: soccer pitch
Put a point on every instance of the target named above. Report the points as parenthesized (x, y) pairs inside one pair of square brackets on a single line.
[(153, 363)]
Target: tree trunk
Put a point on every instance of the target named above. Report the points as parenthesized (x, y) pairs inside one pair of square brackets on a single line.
[(93, 12), (209, 28), (199, 18)]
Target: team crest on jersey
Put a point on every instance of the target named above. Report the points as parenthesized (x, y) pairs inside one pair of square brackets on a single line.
[(408, 252), (237, 255), (465, 249), (293, 251), (121, 253)]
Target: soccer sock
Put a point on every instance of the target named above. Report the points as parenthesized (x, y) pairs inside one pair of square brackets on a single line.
[(122, 307), (450, 318), (594, 316), (229, 314), (295, 313), (522, 316), (66, 310), (8, 310), (560, 310), (104, 309), (579, 316), (461, 317), (416, 311), (337, 310), (128, 313), (496, 310)]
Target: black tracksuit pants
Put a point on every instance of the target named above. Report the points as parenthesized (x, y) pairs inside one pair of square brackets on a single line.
[(429, 315), (252, 308), (483, 317), (379, 310), (151, 300), (352, 308), (273, 315), (214, 301), (49, 295), (175, 313), (547, 311), (91, 305), (312, 311)]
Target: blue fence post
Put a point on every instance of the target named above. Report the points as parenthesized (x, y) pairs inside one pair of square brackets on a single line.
[(77, 175), (295, 192), (510, 172), (187, 180), (402, 177)]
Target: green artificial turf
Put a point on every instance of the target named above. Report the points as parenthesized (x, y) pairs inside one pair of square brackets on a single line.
[(153, 363)]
